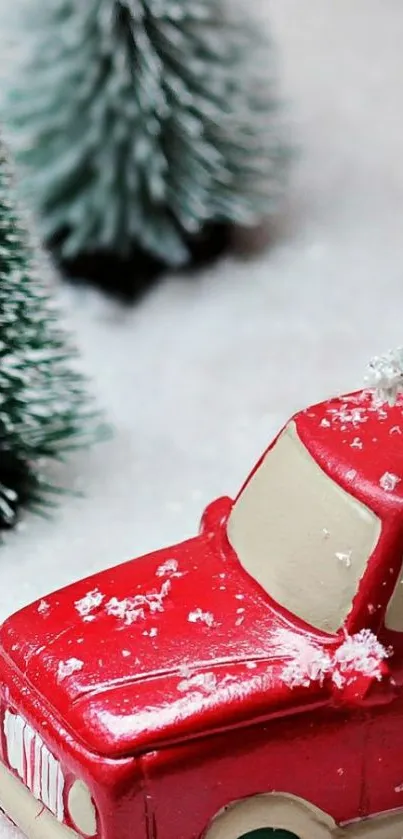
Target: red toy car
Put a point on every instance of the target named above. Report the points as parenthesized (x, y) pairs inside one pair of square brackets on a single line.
[(245, 683)]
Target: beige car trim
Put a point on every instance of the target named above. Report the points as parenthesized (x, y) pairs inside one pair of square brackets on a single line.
[(287, 812), (29, 814), (271, 810), (378, 827)]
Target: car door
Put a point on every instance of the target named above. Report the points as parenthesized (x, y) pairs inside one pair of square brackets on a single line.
[(384, 707), (315, 757)]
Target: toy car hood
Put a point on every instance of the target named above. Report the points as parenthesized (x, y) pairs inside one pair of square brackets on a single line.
[(160, 649)]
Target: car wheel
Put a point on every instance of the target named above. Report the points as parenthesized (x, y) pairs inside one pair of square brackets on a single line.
[(271, 816), (269, 833)]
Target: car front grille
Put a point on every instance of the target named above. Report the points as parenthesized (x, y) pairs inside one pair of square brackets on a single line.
[(34, 763)]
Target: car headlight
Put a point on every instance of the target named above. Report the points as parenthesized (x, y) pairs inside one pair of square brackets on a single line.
[(82, 809)]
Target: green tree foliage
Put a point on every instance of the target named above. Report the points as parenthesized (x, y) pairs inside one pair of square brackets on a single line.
[(44, 410), (142, 121)]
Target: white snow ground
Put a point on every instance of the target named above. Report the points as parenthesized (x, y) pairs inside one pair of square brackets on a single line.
[(198, 378)]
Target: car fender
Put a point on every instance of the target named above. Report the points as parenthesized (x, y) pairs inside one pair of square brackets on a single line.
[(276, 810)]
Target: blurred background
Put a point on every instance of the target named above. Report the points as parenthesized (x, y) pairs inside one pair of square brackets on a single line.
[(198, 374)]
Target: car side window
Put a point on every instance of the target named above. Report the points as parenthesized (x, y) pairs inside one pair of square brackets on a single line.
[(394, 612)]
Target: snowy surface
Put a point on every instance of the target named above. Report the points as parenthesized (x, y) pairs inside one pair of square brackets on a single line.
[(199, 377)]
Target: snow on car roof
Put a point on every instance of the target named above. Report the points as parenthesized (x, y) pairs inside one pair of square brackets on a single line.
[(358, 441)]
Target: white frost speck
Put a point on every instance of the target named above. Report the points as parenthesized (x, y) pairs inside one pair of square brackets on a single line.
[(198, 616), (355, 416), (43, 607), (360, 653), (309, 665), (357, 443), (389, 481), (169, 567), (251, 665), (89, 618), (151, 632), (185, 670), (351, 474), (126, 653), (325, 423), (344, 557), (239, 597), (385, 376), (395, 430), (89, 602), (239, 621), (67, 668), (206, 682), (340, 771), (131, 609), (399, 788)]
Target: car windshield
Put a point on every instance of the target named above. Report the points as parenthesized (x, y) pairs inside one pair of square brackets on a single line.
[(301, 536)]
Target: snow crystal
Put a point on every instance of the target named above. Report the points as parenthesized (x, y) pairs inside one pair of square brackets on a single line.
[(89, 602), (43, 607), (126, 653), (325, 423), (311, 665), (360, 653), (344, 557), (124, 610), (345, 416), (67, 668), (206, 682), (385, 376), (169, 567), (239, 597), (389, 481), (357, 443), (185, 670), (395, 430), (151, 632), (203, 617), (131, 609)]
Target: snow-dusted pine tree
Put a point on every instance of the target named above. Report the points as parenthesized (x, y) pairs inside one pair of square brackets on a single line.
[(140, 122), (43, 406)]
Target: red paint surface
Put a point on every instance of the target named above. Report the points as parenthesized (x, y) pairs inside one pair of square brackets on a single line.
[(174, 711)]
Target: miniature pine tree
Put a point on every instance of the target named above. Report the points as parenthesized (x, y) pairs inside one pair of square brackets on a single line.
[(43, 405), (140, 122)]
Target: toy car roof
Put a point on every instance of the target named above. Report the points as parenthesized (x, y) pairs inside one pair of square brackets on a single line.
[(359, 443)]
